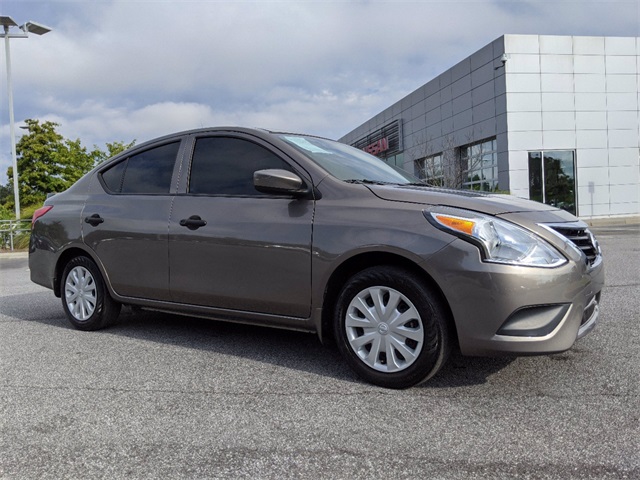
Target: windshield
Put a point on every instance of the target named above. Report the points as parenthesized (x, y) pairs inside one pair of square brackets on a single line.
[(348, 163)]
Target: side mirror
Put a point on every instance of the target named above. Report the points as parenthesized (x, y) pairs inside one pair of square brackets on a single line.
[(281, 182)]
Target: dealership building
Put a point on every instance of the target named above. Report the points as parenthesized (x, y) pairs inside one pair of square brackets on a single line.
[(550, 118)]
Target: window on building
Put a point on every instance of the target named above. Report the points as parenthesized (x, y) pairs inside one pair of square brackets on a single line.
[(480, 165), (430, 170), (396, 160), (552, 178)]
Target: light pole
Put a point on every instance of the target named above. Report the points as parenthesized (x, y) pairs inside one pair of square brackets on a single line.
[(28, 27)]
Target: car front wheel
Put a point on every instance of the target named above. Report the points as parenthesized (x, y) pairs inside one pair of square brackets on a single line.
[(85, 298), (391, 328)]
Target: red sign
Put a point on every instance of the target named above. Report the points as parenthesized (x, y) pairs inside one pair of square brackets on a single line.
[(380, 146)]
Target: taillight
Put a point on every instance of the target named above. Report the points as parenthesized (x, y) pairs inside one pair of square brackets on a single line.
[(38, 213)]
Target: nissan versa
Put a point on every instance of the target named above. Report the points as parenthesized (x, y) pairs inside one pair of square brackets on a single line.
[(305, 233)]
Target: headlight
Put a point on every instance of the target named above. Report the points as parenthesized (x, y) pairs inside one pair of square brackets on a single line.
[(499, 241)]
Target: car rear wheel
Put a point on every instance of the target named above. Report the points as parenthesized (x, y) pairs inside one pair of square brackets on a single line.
[(85, 298), (391, 328)]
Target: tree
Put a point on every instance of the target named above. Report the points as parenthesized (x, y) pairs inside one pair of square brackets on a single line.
[(38, 159), (5, 193), (74, 161), (49, 163), (113, 149)]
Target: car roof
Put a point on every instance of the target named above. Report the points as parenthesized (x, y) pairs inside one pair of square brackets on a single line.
[(259, 132)]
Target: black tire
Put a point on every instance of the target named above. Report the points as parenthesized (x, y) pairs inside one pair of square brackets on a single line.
[(416, 337), (85, 297)]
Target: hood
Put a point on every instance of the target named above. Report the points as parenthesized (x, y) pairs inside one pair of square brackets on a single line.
[(489, 203)]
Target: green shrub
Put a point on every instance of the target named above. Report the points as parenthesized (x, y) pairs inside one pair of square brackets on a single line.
[(6, 213), (21, 241), (26, 212)]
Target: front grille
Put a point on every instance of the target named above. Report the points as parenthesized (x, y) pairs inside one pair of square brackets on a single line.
[(582, 238)]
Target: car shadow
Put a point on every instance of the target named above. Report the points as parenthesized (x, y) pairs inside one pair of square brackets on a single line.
[(462, 371), (284, 348)]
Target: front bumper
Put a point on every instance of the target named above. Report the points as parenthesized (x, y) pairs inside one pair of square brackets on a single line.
[(590, 316), (503, 309)]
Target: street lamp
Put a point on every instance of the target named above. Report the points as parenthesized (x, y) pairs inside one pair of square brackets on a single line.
[(28, 27)]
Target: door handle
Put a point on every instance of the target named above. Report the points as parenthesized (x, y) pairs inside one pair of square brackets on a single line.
[(94, 220), (194, 222)]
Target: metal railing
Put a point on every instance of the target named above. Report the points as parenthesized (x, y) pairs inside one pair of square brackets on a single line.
[(10, 229)]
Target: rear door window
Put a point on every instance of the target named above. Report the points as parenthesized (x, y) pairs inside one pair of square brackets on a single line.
[(148, 172)]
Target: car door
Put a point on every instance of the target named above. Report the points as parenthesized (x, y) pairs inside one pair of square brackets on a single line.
[(232, 247), (125, 220)]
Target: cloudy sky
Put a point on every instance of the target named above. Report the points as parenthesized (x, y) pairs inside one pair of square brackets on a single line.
[(136, 69)]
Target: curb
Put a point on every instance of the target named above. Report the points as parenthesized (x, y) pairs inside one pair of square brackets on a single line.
[(612, 221), (14, 255)]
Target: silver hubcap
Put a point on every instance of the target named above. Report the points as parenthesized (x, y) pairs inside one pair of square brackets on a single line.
[(384, 329), (80, 293)]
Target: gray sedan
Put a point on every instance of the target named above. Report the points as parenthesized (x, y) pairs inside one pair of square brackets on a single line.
[(304, 233)]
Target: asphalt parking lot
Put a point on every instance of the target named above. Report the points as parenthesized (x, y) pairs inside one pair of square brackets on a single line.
[(161, 396)]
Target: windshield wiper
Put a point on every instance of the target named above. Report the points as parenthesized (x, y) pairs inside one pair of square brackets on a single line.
[(365, 181)]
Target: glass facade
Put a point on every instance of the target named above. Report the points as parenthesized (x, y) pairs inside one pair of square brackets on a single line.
[(430, 170), (396, 160), (552, 178), (480, 165)]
